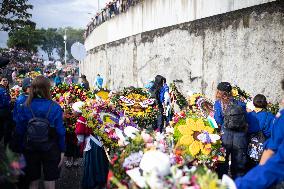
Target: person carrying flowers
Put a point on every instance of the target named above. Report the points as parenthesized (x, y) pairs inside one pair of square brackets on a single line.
[(96, 165)]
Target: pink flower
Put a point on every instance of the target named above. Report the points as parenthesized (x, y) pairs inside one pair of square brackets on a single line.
[(15, 165), (146, 137)]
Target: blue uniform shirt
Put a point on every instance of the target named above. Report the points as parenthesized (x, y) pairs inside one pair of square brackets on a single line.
[(261, 121), (163, 90), (5, 98), (99, 81), (18, 104), (264, 176), (277, 134), (40, 107), (218, 112)]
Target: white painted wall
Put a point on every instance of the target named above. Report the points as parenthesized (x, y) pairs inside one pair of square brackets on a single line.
[(154, 14), (246, 50)]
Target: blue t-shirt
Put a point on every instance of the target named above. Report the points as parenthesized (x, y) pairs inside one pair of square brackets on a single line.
[(261, 121), (163, 90), (40, 108), (99, 81), (5, 98), (277, 134), (18, 104)]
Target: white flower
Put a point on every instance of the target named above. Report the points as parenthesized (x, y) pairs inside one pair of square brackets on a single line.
[(130, 132), (156, 161)]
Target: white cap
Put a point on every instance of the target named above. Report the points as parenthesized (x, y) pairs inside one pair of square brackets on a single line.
[(77, 106)]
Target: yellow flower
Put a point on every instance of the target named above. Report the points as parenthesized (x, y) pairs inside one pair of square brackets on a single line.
[(186, 140), (235, 92), (210, 130), (206, 149), (185, 130), (194, 148)]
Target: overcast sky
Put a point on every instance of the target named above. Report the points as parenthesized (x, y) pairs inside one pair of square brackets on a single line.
[(61, 13)]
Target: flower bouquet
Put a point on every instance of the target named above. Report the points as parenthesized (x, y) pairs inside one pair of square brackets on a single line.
[(65, 95), (240, 94), (11, 166), (201, 105), (136, 103), (197, 140), (180, 99)]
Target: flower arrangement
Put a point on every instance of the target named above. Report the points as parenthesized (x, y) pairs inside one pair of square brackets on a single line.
[(11, 166), (273, 108), (240, 94), (201, 105), (33, 74), (180, 99), (135, 102), (197, 140), (65, 95), (15, 91), (103, 119)]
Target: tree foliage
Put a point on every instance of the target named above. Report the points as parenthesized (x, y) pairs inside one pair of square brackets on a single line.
[(73, 35), (51, 40), (27, 38), (14, 15)]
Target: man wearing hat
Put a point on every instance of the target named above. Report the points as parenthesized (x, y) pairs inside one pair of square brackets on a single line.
[(26, 84), (233, 130)]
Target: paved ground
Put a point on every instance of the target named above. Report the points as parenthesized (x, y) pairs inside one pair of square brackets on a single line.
[(70, 177)]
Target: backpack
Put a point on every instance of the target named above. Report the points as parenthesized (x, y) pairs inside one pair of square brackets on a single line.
[(38, 132), (256, 142), (235, 117)]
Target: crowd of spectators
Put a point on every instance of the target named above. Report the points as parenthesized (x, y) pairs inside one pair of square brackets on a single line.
[(111, 9), (21, 62)]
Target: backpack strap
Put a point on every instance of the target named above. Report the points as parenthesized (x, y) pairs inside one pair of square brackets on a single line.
[(49, 109), (30, 108)]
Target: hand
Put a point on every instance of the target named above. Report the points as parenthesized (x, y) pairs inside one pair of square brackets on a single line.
[(61, 160)]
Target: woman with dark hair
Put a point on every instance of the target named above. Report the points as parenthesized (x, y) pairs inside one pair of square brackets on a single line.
[(85, 82), (259, 130), (264, 118), (160, 91), (41, 133), (5, 110), (234, 140)]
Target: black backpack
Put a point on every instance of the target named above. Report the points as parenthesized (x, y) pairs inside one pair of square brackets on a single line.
[(235, 117), (38, 132)]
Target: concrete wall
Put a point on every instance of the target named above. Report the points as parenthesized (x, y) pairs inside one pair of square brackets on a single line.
[(154, 14), (245, 47)]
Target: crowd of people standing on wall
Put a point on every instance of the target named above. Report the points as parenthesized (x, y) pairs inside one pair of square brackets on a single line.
[(111, 9)]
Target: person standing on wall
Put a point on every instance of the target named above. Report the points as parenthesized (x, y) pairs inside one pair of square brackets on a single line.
[(99, 82), (41, 134), (230, 115)]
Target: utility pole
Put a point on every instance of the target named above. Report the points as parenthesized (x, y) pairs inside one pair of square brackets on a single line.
[(65, 50), (98, 5)]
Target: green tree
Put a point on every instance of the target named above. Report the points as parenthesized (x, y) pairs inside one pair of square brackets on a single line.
[(73, 35), (27, 38), (14, 14), (51, 40)]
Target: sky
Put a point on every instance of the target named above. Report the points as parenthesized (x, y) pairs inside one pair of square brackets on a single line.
[(61, 13)]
